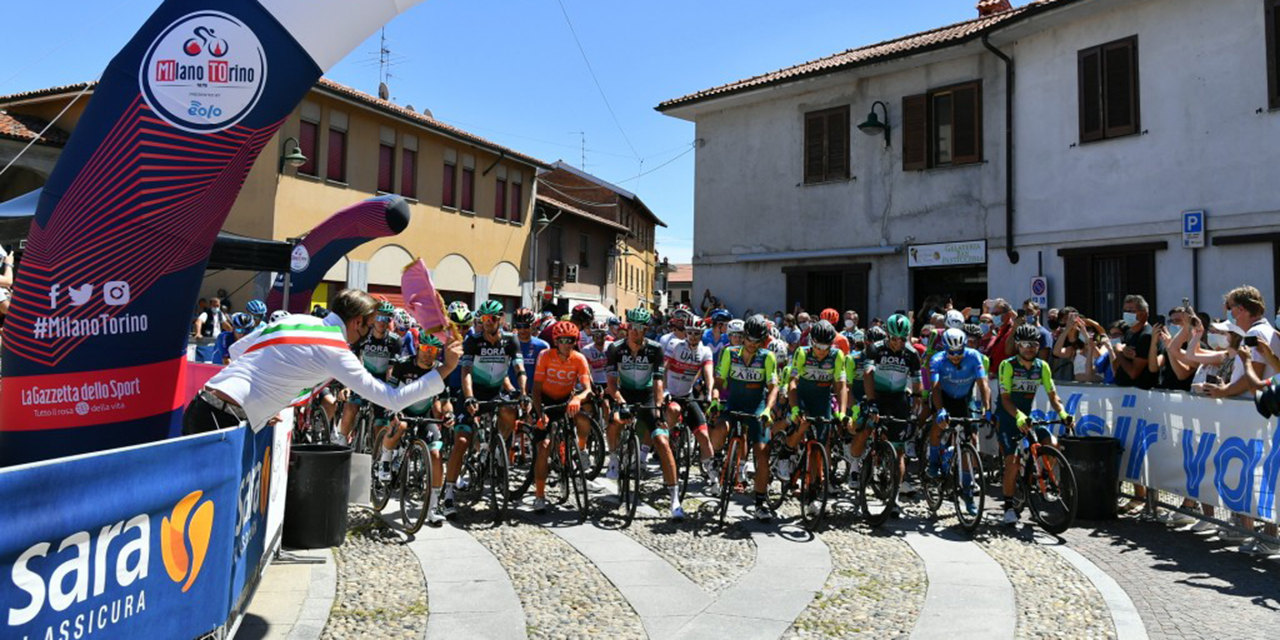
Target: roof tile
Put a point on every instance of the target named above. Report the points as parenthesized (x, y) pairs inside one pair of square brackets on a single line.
[(24, 127)]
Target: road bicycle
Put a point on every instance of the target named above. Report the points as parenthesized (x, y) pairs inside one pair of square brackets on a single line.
[(808, 478), (960, 475), (485, 469), (412, 471), (630, 470), (880, 477), (1046, 483), (566, 464), (732, 468)]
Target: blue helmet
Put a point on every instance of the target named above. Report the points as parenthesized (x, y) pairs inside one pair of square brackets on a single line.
[(241, 322), (256, 308), (721, 315)]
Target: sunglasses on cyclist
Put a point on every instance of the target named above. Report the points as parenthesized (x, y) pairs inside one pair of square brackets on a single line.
[(1028, 345), (565, 340), (383, 318), (495, 317), (819, 345), (956, 353), (522, 325)]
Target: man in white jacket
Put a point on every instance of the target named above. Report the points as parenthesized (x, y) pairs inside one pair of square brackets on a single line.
[(272, 365)]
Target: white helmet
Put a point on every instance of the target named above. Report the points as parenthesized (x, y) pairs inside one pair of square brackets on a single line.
[(954, 320), (737, 326), (599, 325), (954, 340), (277, 314)]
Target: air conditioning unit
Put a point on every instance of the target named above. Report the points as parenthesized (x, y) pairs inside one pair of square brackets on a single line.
[(571, 274)]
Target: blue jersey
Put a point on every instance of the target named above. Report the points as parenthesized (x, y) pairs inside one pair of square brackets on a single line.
[(956, 381), (708, 338), (222, 346), (529, 351)]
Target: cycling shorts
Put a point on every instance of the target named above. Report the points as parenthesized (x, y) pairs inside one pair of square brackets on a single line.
[(466, 421), (957, 407), (757, 432), (817, 405), (430, 432), (896, 406), (690, 412)]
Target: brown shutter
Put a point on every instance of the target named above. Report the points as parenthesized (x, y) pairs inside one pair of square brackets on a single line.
[(409, 173), (385, 155), (797, 281), (337, 169), (1090, 64), (1120, 87), (815, 133), (1273, 55), (1078, 288), (915, 132), (838, 144), (855, 289), (308, 134), (967, 109)]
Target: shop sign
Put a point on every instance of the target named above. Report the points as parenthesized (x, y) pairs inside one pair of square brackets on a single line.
[(947, 253)]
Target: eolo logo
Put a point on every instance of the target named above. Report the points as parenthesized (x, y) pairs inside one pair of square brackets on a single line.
[(184, 538)]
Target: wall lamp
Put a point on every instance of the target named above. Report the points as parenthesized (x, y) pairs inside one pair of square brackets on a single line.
[(873, 126)]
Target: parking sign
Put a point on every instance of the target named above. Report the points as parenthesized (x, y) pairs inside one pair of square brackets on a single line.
[(1193, 229)]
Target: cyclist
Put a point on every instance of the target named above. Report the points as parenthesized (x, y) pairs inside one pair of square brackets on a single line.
[(749, 373), (562, 373), (486, 359), (817, 372), (716, 336), (688, 361), (955, 371), (530, 346), (637, 376), (241, 324), (257, 310), (405, 371), (890, 380), (1019, 377), (615, 329), (375, 351), (833, 318), (681, 321), (409, 331)]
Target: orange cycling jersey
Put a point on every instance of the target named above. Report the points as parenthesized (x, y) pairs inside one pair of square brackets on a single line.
[(560, 375)]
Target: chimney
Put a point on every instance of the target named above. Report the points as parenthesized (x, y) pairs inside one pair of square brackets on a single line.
[(992, 7)]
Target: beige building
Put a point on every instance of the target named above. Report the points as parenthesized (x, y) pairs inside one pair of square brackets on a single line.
[(471, 200)]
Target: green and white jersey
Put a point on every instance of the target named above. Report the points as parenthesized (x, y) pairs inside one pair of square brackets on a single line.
[(635, 370), (377, 353), (490, 362), (893, 371)]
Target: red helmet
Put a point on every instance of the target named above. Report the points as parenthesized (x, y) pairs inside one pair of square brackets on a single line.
[(564, 329), (830, 315), (582, 313)]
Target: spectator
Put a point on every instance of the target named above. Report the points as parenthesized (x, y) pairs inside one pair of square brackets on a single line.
[(1030, 314), (226, 300), (213, 321), (1072, 340), (790, 333), (803, 324), (1105, 363), (996, 344), (1131, 359), (1171, 375)]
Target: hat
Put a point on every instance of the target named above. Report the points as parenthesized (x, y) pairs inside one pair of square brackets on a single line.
[(1227, 326)]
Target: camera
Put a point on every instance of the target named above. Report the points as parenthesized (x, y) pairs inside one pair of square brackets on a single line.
[(1251, 341)]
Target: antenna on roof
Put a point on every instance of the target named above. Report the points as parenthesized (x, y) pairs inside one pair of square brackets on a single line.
[(383, 91), (427, 112)]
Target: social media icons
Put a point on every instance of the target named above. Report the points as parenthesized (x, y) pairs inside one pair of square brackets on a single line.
[(114, 294)]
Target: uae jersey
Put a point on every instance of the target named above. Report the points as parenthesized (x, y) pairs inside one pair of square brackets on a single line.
[(377, 353), (892, 371), (635, 370), (683, 363), (598, 358), (490, 361)]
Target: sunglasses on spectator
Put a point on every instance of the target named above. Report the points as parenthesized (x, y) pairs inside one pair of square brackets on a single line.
[(565, 341)]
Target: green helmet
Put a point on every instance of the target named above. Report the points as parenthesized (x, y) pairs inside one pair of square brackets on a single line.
[(460, 316), (490, 308), (639, 315), (430, 340), (898, 326), (386, 308)]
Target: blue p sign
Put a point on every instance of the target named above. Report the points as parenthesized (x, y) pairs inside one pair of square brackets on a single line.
[(1193, 222)]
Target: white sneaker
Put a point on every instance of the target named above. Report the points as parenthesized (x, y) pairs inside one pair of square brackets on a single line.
[(1176, 518), (384, 471), (1231, 535), (539, 505), (812, 510), (677, 512), (1010, 517), (462, 482), (782, 468), (435, 518), (644, 455), (906, 488), (612, 473), (1202, 526)]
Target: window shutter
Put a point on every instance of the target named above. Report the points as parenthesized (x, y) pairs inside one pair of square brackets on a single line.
[(468, 189), (409, 174), (337, 169), (1273, 54), (1078, 286), (915, 132), (1140, 276), (1090, 64), (814, 153), (1120, 88), (385, 160), (517, 204), (796, 284), (967, 124), (308, 132), (447, 196), (500, 199), (855, 289), (838, 145)]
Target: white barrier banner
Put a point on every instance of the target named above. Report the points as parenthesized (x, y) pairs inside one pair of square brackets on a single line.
[(1219, 452)]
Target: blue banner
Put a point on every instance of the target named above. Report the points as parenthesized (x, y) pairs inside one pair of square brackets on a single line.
[(251, 515), (134, 543)]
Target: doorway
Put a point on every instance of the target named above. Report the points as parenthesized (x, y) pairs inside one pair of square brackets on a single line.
[(965, 286)]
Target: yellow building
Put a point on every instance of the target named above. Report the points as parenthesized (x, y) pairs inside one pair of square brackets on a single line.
[(470, 199)]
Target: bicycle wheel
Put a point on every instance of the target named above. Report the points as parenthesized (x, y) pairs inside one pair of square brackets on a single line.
[(595, 450), (967, 470), (415, 486), (379, 490), (629, 480), (777, 490), (496, 478), (838, 462), (814, 491), (576, 462), (558, 465), (935, 489), (520, 461), (729, 477), (318, 427), (1051, 490), (878, 482), (682, 447)]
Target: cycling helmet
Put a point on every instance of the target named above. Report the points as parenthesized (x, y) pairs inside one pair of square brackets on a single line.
[(858, 336), (830, 315), (564, 329), (823, 334), (614, 321), (721, 315), (972, 330), (241, 322), (954, 319), (385, 308), (898, 326), (402, 318), (256, 308), (461, 316), (1026, 333), (523, 315), (774, 334), (582, 314), (955, 340), (876, 334), (736, 326), (276, 315), (639, 315), (456, 305), (319, 311), (489, 308), (599, 326), (755, 328), (682, 317), (430, 340)]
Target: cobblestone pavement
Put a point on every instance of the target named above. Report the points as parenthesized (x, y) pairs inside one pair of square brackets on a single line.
[(381, 591)]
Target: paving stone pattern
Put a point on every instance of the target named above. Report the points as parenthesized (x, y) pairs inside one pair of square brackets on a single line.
[(381, 592)]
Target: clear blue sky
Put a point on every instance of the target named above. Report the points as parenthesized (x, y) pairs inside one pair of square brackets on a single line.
[(510, 71)]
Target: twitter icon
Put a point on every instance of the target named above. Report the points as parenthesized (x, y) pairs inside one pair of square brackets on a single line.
[(81, 294)]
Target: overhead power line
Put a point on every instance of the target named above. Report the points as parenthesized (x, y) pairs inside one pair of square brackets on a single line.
[(596, 80)]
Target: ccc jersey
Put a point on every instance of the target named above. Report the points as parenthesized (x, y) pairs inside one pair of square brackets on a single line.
[(377, 353), (560, 376), (747, 381), (683, 363), (404, 371), (634, 371), (892, 371), (490, 362), (1020, 382)]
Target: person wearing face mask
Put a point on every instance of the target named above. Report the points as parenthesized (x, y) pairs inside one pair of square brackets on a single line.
[(803, 323), (996, 344), (1171, 374), (273, 364), (1132, 357)]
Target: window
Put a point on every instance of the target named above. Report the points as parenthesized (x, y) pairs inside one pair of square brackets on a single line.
[(1273, 54), (517, 200), (468, 189), (308, 137), (337, 169), (409, 173), (500, 199), (1108, 76), (836, 287), (942, 127), (1098, 278), (826, 145), (583, 251), (386, 168), (553, 241), (448, 198)]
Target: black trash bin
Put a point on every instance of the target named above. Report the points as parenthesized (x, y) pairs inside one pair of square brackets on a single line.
[(1095, 461), (315, 504)]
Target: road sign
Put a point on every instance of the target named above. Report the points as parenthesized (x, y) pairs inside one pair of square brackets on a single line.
[(1193, 229), (1040, 291)]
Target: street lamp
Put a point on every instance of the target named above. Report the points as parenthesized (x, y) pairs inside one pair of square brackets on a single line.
[(294, 157), (873, 126)]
